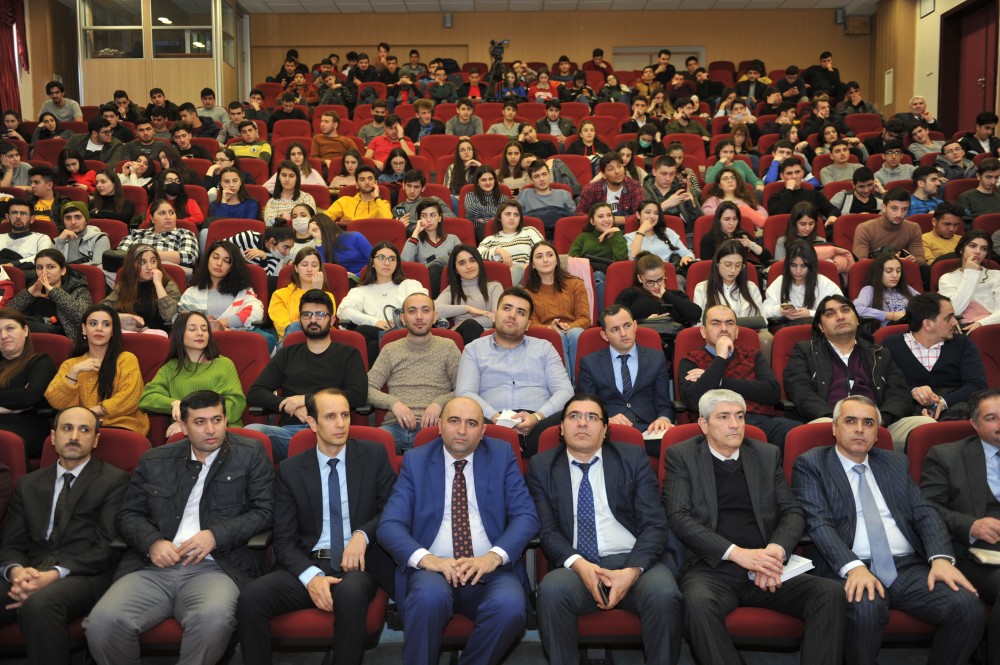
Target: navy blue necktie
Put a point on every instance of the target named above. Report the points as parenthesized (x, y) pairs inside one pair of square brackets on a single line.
[(336, 515), (627, 387), (586, 522)]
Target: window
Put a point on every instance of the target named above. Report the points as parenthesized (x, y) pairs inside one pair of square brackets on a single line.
[(182, 28), (112, 28)]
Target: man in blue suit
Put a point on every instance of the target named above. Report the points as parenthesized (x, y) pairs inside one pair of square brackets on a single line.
[(631, 380), (873, 529), (456, 534)]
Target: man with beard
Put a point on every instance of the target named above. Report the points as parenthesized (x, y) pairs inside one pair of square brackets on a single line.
[(509, 371), (366, 204), (300, 370), (19, 246), (418, 373)]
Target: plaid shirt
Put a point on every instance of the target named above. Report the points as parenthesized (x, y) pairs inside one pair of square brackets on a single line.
[(179, 240), (597, 192), (928, 356)]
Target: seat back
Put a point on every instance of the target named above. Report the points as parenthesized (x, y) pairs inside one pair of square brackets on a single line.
[(336, 278), (377, 230), (925, 437), (781, 350), (567, 229), (888, 331), (680, 433), (151, 352), (813, 435), (859, 275), (399, 333), (591, 341), (346, 337), (306, 440), (942, 266), (118, 447), (58, 348), (987, 341), (698, 272), (846, 226), (428, 434), (621, 275), (221, 229), (12, 453)]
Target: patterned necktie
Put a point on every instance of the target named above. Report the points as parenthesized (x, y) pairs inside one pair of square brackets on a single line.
[(883, 567), (461, 532), (995, 460), (336, 515), (627, 386), (586, 522)]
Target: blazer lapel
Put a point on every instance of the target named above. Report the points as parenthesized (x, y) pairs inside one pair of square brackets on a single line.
[(44, 496), (835, 474), (314, 490), (564, 492), (612, 477), (481, 473), (754, 488), (355, 471), (975, 471), (703, 459), (435, 480), (608, 366)]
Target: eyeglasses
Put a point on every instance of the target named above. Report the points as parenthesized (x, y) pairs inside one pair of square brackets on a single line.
[(105, 132), (171, 182), (222, 160), (319, 316), (385, 258), (652, 282), (576, 416)]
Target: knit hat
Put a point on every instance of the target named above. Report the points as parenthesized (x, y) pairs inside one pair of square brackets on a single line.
[(77, 205)]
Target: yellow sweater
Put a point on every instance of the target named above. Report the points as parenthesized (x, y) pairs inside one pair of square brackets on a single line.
[(284, 307), (123, 405), (935, 245)]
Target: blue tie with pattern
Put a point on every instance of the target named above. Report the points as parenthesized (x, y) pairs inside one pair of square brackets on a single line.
[(883, 567), (336, 515), (586, 522)]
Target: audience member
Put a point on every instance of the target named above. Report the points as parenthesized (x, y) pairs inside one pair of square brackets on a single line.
[(469, 300), (891, 231), (24, 376), (973, 288), (886, 295), (56, 301)]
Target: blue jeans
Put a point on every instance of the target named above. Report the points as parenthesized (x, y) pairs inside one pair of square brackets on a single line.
[(599, 278), (569, 338), (280, 435), (403, 437)]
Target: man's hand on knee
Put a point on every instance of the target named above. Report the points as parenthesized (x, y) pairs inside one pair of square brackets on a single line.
[(447, 567), (319, 591)]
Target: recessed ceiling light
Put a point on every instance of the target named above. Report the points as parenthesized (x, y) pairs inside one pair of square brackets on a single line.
[(165, 21)]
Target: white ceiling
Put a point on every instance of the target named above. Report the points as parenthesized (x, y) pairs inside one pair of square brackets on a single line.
[(441, 6)]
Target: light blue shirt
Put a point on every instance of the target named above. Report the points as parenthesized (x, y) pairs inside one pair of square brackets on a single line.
[(656, 246), (324, 536), (632, 362), (992, 467), (612, 537)]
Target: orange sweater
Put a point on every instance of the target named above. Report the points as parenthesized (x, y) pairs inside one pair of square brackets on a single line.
[(570, 305), (123, 405)]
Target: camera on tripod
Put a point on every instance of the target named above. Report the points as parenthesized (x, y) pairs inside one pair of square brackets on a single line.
[(497, 47)]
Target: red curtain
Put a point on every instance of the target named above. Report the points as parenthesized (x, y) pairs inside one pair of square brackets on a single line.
[(11, 21)]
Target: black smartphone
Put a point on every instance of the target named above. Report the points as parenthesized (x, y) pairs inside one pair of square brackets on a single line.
[(605, 592)]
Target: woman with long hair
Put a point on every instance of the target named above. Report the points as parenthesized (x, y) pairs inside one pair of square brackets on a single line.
[(48, 128), (220, 288), (429, 244), (142, 172), (511, 174), (482, 203), (633, 169), (973, 288), (469, 300), (614, 91), (193, 362), (233, 200), (725, 153), (791, 133), (602, 242), (144, 296), (462, 170), (656, 237), (109, 198), (170, 158), (886, 295), (298, 155), (72, 171), (793, 295), (743, 144), (649, 297), (370, 306), (588, 143), (731, 187), (560, 300), (224, 158), (55, 302), (302, 214), (11, 126), (395, 167), (543, 89), (348, 165), (511, 240), (101, 375), (727, 225), (287, 194), (170, 188), (24, 376), (728, 284), (307, 273), (346, 248), (803, 224)]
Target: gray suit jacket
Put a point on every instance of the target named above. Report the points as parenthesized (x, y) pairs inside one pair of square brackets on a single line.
[(954, 481), (691, 499), (822, 488)]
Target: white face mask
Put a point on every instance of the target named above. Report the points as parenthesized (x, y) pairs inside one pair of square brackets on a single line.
[(301, 225), (276, 253)]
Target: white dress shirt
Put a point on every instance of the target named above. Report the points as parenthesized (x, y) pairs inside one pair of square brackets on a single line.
[(442, 545), (191, 518), (898, 544), (612, 537)]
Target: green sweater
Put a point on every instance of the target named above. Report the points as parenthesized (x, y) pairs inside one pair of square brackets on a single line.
[(740, 166), (614, 248), (219, 375)]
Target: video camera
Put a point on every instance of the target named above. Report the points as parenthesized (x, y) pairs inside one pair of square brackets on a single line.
[(497, 47)]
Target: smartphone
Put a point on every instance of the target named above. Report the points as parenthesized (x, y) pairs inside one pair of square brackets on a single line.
[(787, 305), (398, 211), (605, 592)]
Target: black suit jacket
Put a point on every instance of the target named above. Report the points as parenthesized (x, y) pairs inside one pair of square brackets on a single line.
[(298, 502), (650, 386), (954, 482), (690, 496), (957, 374), (87, 526), (821, 486), (632, 497)]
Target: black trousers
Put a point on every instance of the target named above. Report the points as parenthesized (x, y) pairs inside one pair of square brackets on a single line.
[(45, 616), (280, 592), (986, 579)]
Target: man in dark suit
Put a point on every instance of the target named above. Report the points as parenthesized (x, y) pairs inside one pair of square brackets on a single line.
[(871, 528), (322, 562), (962, 480), (630, 380), (190, 509), (728, 502), (602, 529), (56, 557), (456, 536), (942, 369)]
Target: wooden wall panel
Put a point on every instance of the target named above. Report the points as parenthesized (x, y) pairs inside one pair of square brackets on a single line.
[(894, 48), (778, 37), (51, 50)]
